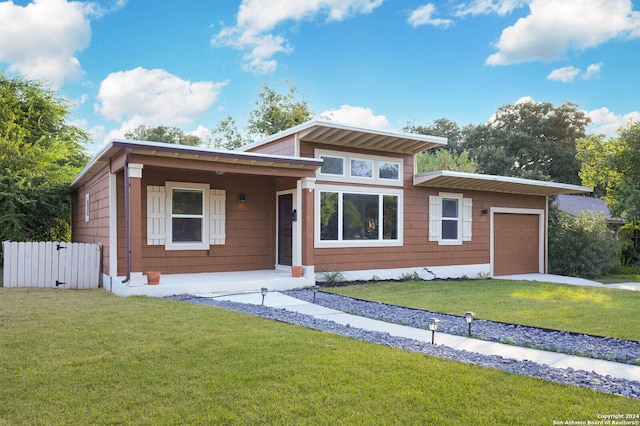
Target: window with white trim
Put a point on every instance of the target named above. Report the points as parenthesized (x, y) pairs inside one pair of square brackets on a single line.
[(450, 218), (185, 216), (359, 168), (356, 217), (87, 208)]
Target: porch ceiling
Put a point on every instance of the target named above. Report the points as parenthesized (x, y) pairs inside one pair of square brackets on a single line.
[(490, 183)]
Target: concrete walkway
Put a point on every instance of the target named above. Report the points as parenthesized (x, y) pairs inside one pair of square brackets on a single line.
[(553, 359)]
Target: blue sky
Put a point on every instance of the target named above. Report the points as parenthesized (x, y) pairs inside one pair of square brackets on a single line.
[(375, 63)]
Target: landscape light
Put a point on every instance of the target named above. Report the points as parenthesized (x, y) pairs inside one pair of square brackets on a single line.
[(315, 290), (264, 291), (469, 317), (433, 326)]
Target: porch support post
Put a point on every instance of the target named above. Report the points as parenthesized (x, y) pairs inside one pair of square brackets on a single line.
[(307, 219), (135, 222)]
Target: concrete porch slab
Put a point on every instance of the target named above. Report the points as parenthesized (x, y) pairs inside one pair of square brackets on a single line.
[(210, 283)]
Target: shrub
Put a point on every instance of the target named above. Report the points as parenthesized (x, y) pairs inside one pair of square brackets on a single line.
[(582, 246)]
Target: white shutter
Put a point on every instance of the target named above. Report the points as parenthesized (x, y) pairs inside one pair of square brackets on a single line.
[(217, 216), (467, 218), (435, 216), (156, 215)]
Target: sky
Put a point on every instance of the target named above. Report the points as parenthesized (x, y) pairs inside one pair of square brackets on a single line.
[(373, 63)]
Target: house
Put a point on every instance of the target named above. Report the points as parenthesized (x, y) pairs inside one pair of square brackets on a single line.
[(322, 195), (574, 204)]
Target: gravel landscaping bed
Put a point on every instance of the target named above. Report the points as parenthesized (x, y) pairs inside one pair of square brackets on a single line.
[(406, 316), (620, 350)]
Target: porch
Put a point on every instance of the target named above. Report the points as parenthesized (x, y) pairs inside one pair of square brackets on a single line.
[(209, 282)]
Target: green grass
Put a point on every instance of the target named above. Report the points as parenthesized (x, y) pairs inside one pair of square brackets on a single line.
[(591, 310), (89, 357), (618, 278)]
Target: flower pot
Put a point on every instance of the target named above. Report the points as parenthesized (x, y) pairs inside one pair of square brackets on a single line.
[(153, 277), (296, 271)]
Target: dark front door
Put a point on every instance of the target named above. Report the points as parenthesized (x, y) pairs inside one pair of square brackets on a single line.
[(285, 229)]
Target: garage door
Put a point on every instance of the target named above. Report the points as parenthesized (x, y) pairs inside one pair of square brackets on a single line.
[(516, 244)]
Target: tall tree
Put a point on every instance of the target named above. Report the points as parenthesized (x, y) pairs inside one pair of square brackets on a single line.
[(40, 153), (274, 112), (611, 167), (530, 139), (442, 127), (166, 134), (449, 157)]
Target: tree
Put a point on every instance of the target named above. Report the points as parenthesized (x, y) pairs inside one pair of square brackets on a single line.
[(449, 157), (611, 167), (274, 112), (445, 160), (227, 135), (583, 245), (166, 134), (40, 153), (442, 127), (529, 139)]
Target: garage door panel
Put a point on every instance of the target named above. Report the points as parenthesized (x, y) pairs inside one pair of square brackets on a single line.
[(516, 243)]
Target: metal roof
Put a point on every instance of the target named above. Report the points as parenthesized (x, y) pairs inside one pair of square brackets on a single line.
[(167, 150), (350, 136), (491, 183)]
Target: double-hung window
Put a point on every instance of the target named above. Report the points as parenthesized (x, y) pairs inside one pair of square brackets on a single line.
[(185, 216), (450, 219)]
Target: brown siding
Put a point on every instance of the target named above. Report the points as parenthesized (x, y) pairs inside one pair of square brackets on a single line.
[(286, 146), (417, 250), (250, 226), (97, 229)]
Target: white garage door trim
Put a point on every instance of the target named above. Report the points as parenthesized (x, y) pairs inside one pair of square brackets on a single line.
[(541, 233)]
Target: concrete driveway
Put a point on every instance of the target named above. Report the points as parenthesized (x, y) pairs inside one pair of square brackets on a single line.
[(560, 279)]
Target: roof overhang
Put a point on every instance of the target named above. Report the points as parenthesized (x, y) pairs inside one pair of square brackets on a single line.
[(510, 185), (159, 149), (355, 137)]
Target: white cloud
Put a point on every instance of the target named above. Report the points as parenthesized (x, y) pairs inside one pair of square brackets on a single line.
[(604, 121), (41, 40), (423, 16), (554, 27), (203, 133), (485, 7), (564, 74), (357, 116), (154, 97), (257, 18), (569, 74), (593, 71)]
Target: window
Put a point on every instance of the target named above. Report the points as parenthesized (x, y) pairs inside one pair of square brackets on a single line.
[(359, 168), (450, 219), (185, 216), (87, 208), (332, 165), (388, 170), (350, 218)]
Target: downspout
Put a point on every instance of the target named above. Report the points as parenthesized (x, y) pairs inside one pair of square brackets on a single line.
[(127, 217)]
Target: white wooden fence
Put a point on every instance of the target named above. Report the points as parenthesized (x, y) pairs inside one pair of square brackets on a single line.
[(51, 264)]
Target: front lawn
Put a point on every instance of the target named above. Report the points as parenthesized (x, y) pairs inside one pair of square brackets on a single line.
[(591, 310), (89, 357)]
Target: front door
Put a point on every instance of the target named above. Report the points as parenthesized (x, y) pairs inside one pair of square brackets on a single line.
[(285, 229)]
